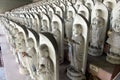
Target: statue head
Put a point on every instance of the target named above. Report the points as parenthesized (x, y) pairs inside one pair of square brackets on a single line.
[(58, 12), (44, 22), (44, 51), (30, 43), (15, 31), (23, 42), (20, 35), (55, 25), (116, 27), (98, 12), (70, 14), (88, 5), (77, 29), (82, 13), (50, 14), (108, 4)]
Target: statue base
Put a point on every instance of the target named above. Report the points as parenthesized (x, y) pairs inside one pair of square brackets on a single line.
[(113, 59), (75, 75), (23, 70), (94, 52)]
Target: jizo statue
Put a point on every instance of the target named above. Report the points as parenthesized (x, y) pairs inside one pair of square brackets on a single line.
[(46, 68)]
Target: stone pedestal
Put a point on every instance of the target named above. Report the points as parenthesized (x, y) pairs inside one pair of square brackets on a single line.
[(75, 75), (112, 58)]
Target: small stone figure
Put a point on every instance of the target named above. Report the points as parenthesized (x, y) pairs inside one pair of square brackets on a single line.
[(20, 48), (44, 26), (57, 35), (96, 38), (31, 58), (46, 67), (74, 71)]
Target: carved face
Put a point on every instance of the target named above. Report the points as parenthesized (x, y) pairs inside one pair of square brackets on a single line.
[(88, 5), (15, 31), (21, 44), (21, 36), (98, 12), (77, 29), (58, 12), (116, 28), (44, 23), (50, 13), (108, 4), (55, 25), (70, 14), (30, 43), (44, 51)]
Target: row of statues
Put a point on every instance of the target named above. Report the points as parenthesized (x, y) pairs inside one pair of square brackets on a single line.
[(35, 53), (40, 32)]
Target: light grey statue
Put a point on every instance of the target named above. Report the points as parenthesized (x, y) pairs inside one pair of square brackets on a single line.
[(44, 26), (96, 32), (46, 67), (57, 35), (68, 24), (31, 58), (15, 32), (21, 48), (113, 55), (76, 57)]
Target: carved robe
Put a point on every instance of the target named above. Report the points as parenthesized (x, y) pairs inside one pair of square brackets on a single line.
[(31, 60), (77, 52), (97, 32), (46, 69), (113, 41)]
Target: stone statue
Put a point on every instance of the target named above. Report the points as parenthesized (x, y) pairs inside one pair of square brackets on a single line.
[(76, 57), (113, 55), (50, 14), (110, 6), (31, 58), (44, 26), (21, 48), (57, 35), (68, 25), (15, 32), (96, 32), (46, 67)]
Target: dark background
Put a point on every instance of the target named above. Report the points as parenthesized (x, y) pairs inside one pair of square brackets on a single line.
[(6, 5)]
